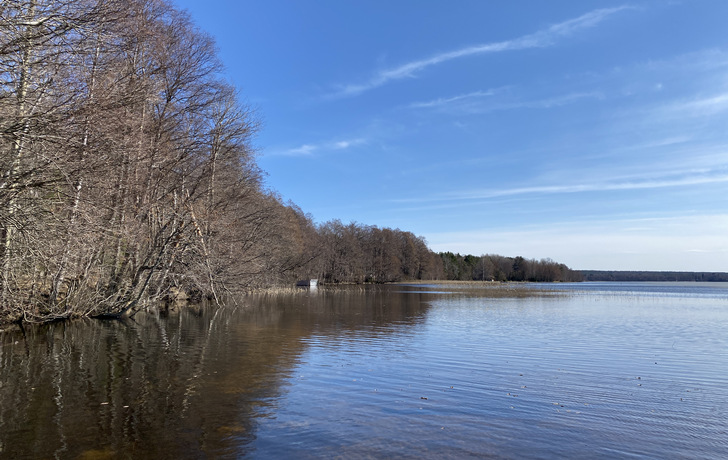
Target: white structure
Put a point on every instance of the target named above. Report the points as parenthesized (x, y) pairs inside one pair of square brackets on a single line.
[(309, 282)]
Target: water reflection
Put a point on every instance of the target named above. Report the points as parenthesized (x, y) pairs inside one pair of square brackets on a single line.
[(186, 384)]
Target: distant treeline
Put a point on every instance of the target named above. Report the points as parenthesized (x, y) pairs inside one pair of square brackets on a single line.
[(606, 275), (356, 253), (492, 267)]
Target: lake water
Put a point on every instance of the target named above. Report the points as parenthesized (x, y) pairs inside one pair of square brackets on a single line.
[(587, 370)]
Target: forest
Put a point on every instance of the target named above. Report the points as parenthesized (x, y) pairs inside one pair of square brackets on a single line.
[(129, 174), (491, 267)]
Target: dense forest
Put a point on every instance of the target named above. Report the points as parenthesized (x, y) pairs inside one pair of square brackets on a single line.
[(128, 174), (492, 267)]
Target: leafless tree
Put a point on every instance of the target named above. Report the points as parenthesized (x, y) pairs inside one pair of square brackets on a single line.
[(127, 167)]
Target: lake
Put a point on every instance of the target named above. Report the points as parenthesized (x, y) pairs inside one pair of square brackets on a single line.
[(584, 370)]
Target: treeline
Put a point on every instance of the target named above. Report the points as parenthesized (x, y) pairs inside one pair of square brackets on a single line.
[(499, 268), (356, 253), (126, 163), (606, 275)]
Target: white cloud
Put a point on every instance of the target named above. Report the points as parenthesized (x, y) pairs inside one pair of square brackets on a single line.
[(556, 101), (304, 150), (705, 106), (340, 145), (660, 142), (665, 180), (475, 102), (310, 149), (445, 101), (697, 89), (542, 38)]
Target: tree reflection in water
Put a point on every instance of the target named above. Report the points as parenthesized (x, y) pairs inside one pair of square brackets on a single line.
[(183, 384)]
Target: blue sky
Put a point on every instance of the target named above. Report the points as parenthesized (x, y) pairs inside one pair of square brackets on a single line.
[(592, 132)]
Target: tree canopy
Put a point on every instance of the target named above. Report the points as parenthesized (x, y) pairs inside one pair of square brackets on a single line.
[(492, 267)]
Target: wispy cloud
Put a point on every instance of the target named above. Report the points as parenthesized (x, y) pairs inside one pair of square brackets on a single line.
[(664, 142), (487, 101), (542, 38), (340, 145), (454, 99), (304, 150), (698, 177), (556, 101), (310, 149), (597, 187), (703, 106)]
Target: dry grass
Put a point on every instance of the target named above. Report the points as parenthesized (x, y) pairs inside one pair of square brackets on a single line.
[(467, 288), (457, 283), (487, 288)]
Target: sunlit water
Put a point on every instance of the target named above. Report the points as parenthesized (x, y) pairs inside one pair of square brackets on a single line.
[(587, 370)]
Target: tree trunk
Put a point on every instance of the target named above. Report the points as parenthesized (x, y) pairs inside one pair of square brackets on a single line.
[(11, 184)]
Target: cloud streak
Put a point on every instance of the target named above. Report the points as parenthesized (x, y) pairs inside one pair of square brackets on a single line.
[(598, 187), (450, 100), (700, 107), (307, 150), (540, 39), (697, 178), (473, 102)]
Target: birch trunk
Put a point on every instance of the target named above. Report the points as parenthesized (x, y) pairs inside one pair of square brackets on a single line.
[(11, 184), (77, 186)]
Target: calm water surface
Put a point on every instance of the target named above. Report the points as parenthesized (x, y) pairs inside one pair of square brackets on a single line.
[(587, 370)]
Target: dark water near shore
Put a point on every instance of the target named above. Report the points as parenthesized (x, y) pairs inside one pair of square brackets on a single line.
[(587, 370)]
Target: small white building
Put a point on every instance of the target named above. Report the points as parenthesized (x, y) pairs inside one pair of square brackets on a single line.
[(310, 282)]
